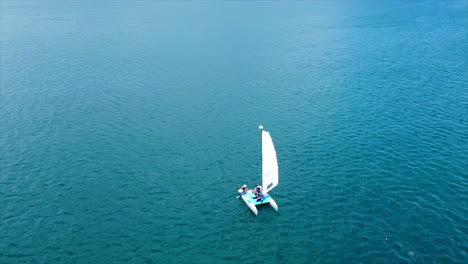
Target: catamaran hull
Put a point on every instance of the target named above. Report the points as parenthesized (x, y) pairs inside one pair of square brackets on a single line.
[(250, 204), (273, 204)]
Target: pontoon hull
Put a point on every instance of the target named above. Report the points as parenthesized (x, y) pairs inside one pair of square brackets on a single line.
[(273, 204), (249, 199)]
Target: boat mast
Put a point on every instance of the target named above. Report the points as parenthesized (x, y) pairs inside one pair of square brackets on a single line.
[(261, 153)]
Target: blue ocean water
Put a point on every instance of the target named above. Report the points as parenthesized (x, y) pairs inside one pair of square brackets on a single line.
[(126, 127)]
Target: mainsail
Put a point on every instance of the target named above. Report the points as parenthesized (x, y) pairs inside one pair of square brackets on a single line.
[(270, 176)]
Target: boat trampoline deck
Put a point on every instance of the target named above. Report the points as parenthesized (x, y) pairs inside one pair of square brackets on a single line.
[(250, 194)]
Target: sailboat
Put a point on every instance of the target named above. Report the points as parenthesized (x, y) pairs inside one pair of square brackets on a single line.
[(270, 177)]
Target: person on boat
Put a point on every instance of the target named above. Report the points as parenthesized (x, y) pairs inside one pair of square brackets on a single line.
[(243, 190), (258, 192)]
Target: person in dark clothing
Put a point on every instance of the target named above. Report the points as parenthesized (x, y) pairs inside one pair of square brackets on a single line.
[(258, 192)]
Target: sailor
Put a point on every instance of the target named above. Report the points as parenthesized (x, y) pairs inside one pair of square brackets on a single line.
[(258, 192), (243, 190)]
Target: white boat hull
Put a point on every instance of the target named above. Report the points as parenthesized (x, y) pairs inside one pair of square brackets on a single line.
[(252, 203), (273, 204), (248, 201)]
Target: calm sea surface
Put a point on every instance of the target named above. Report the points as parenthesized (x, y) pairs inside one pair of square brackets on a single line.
[(127, 126)]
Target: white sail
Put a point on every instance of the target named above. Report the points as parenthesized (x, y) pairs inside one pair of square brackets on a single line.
[(270, 176)]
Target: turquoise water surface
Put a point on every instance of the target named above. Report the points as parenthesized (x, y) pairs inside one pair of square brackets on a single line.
[(126, 127)]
